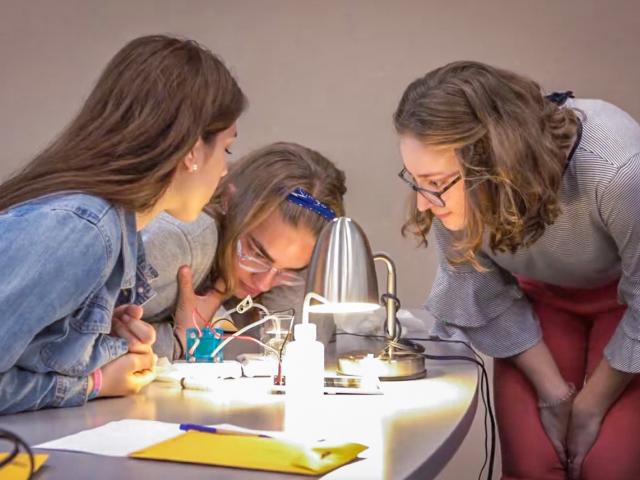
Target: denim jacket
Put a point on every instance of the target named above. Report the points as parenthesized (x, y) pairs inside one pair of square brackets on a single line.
[(66, 261)]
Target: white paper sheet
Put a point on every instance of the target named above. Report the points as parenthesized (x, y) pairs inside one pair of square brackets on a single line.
[(116, 439), (122, 437)]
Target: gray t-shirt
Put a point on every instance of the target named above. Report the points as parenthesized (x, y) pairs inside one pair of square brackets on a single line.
[(169, 244), (595, 240)]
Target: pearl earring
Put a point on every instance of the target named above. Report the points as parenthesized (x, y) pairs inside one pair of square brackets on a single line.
[(194, 168)]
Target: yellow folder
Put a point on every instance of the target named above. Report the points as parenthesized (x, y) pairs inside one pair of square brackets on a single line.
[(254, 453), (18, 469)]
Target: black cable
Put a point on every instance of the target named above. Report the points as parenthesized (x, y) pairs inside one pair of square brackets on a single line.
[(484, 385), (383, 299), (485, 379), (486, 401), (290, 331), (485, 393), (386, 296), (9, 458), (284, 342), (17, 444)]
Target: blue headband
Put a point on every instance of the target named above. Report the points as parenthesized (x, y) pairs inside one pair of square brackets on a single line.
[(303, 198)]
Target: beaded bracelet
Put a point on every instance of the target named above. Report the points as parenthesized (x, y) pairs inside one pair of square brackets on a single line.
[(560, 401), (96, 375)]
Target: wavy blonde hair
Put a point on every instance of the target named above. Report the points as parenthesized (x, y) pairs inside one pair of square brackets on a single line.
[(512, 146)]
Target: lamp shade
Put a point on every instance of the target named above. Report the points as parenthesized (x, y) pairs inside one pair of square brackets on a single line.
[(342, 270)]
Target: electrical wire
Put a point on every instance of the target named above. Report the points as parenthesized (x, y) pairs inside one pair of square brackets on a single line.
[(242, 307), (383, 299), (195, 323), (222, 319), (17, 444), (278, 380), (240, 332), (284, 342), (484, 393), (230, 320), (476, 359), (255, 340)]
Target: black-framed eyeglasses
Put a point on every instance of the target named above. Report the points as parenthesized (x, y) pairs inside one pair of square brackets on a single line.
[(432, 196)]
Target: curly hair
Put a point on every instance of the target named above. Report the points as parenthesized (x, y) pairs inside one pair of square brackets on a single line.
[(512, 147)]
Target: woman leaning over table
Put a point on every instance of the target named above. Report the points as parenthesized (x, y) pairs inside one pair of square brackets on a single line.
[(151, 137), (535, 206), (255, 238)]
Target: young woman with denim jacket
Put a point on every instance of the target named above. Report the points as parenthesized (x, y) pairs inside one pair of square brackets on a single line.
[(150, 138), (255, 238)]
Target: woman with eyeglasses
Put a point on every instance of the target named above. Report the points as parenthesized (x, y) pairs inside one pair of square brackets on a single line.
[(534, 203), (255, 238)]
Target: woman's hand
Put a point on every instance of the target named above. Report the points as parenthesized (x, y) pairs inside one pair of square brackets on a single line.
[(127, 323), (188, 302), (582, 434), (128, 374), (590, 407), (540, 368), (555, 422)]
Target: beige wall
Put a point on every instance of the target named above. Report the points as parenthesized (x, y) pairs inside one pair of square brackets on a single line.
[(324, 73)]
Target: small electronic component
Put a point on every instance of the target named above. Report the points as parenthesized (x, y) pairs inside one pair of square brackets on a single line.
[(201, 343), (205, 344)]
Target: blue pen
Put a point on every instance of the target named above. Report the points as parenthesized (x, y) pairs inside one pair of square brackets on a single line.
[(220, 431)]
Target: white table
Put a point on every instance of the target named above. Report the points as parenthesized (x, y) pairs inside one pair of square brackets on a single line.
[(412, 430)]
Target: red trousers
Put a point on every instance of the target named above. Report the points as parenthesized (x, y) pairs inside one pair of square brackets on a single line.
[(576, 326)]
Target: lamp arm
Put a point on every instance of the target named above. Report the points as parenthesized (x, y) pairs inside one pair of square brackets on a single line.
[(391, 291), (307, 301)]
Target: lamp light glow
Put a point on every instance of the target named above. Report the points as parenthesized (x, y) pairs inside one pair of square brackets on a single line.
[(342, 278)]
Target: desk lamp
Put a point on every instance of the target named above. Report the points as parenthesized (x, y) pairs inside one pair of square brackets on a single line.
[(342, 279)]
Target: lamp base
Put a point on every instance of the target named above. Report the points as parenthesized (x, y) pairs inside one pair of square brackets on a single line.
[(394, 365)]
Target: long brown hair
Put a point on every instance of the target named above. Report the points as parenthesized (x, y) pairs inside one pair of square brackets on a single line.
[(156, 97), (512, 146), (258, 184)]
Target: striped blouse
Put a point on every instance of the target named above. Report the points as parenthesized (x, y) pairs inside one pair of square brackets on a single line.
[(594, 241)]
